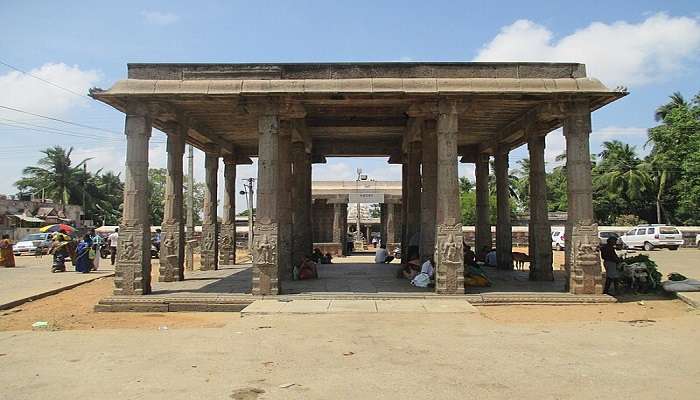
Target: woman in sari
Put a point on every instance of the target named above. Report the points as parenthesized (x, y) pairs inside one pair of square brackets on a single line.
[(83, 263), (7, 257)]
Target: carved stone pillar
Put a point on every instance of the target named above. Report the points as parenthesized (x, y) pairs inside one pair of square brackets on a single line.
[(540, 232), (344, 229), (338, 222), (483, 213), (301, 199), (390, 224), (172, 249), (413, 182), (133, 270), (227, 235), (404, 195), (583, 261), (210, 243), (265, 246), (284, 201), (504, 233), (448, 240), (429, 193)]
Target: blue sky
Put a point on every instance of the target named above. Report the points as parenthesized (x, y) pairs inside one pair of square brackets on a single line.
[(652, 47)]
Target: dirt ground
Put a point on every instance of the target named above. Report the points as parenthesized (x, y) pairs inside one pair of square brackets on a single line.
[(73, 309)]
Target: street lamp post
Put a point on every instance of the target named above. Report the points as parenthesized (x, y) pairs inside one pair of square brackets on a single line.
[(248, 190)]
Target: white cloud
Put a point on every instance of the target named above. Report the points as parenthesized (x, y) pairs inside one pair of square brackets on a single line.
[(620, 53), (24, 92), (159, 18)]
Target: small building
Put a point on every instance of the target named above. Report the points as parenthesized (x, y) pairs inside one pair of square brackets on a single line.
[(19, 217)]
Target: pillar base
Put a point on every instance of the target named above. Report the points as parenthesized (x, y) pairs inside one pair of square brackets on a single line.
[(132, 273), (171, 253), (584, 272), (265, 259), (209, 260), (449, 275), (227, 244)]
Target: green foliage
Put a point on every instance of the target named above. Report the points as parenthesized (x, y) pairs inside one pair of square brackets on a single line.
[(245, 212), (628, 220), (156, 200), (652, 268), (65, 183)]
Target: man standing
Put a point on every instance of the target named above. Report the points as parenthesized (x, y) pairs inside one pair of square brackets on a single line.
[(113, 242)]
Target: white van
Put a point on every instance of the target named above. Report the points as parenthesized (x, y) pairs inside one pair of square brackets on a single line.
[(558, 238), (650, 237)]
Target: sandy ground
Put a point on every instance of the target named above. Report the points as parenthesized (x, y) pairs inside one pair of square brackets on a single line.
[(362, 356)]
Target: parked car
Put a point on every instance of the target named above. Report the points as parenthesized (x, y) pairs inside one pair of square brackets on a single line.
[(697, 240), (605, 235), (558, 239), (33, 243), (650, 237)]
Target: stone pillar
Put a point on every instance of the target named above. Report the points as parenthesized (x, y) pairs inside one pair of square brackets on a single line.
[(404, 195), (301, 198), (448, 240), (540, 232), (172, 249), (583, 261), (338, 222), (132, 275), (344, 229), (390, 224), (429, 193), (483, 212), (266, 245), (227, 235), (284, 201), (504, 231), (413, 181), (210, 245)]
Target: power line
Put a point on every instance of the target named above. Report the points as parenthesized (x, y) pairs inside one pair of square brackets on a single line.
[(51, 130), (49, 82), (60, 120)]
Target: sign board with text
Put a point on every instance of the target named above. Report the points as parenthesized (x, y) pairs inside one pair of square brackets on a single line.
[(366, 198)]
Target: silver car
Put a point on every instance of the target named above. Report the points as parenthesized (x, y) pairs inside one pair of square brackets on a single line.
[(32, 244)]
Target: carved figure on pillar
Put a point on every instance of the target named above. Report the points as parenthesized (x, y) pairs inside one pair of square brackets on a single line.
[(265, 271), (448, 252)]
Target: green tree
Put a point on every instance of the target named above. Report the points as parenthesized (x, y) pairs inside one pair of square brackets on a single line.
[(677, 100), (675, 157), (621, 171), (55, 175), (156, 194)]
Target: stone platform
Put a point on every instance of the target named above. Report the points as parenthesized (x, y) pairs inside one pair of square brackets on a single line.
[(336, 306)]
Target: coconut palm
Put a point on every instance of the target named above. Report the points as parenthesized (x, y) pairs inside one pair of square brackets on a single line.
[(677, 100), (621, 171), (54, 175)]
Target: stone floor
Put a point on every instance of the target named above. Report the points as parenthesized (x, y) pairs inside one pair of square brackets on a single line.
[(346, 275), (32, 278)]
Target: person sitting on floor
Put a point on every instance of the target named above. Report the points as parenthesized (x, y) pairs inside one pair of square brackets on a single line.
[(491, 259), (410, 269), (427, 270), (316, 256), (306, 269), (481, 255), (469, 256), (327, 259), (382, 255)]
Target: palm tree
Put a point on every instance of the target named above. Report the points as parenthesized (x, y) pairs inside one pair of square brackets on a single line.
[(677, 100), (54, 175), (621, 171)]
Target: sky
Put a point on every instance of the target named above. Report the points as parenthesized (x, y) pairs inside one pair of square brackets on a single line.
[(650, 47)]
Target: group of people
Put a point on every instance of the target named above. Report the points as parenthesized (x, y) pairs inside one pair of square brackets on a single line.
[(422, 274), (84, 255)]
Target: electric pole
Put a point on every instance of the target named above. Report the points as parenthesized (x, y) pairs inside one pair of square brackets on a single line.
[(249, 191)]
